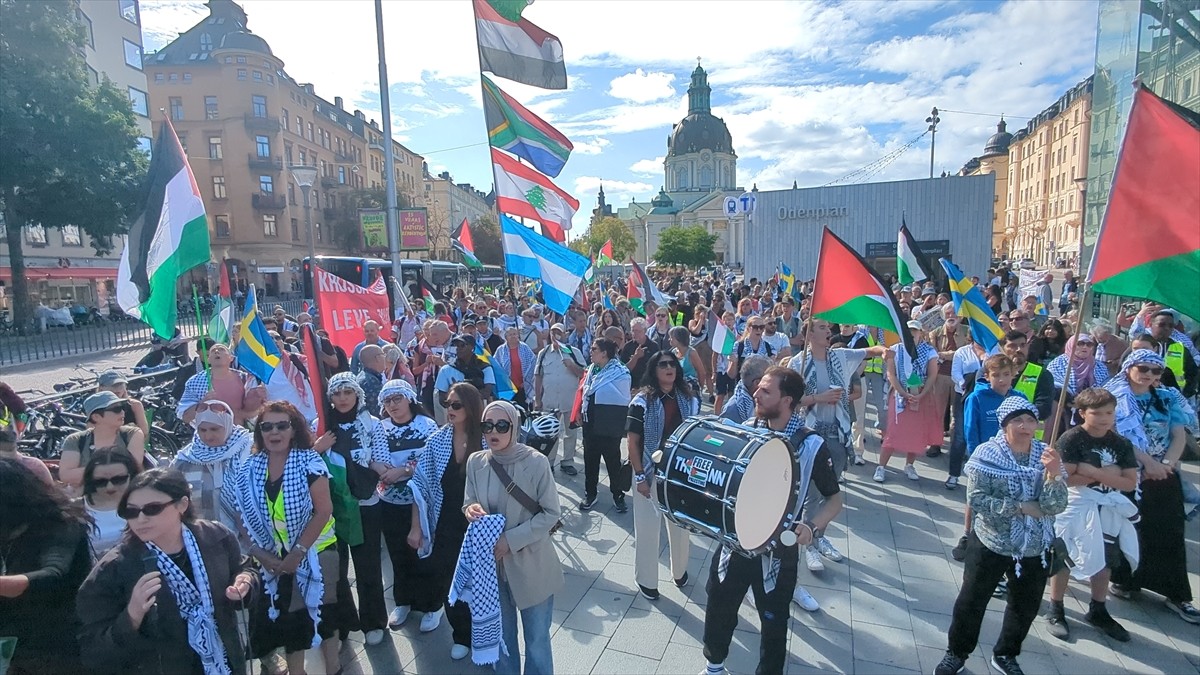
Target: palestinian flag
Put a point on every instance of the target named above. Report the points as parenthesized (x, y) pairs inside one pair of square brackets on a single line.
[(590, 275), (429, 297), (605, 257), (514, 48), (723, 337), (513, 127), (522, 191), (648, 287), (910, 262), (847, 290), (167, 240), (310, 345), (462, 241), (222, 318), (635, 296), (1149, 244)]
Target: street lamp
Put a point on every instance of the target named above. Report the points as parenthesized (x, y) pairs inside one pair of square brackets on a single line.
[(932, 121), (305, 176)]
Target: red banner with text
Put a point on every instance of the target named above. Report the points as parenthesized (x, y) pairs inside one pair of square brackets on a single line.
[(345, 306)]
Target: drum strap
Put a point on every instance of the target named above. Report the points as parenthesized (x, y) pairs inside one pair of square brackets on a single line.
[(518, 494)]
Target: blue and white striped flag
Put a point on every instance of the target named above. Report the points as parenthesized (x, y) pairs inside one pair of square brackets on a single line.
[(529, 254)]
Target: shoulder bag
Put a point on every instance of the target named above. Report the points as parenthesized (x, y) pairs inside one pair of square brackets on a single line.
[(518, 494)]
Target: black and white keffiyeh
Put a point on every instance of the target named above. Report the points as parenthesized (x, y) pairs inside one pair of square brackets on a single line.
[(477, 584), (909, 370), (835, 369), (195, 603), (742, 402), (654, 418), (298, 509), (426, 483), (597, 377)]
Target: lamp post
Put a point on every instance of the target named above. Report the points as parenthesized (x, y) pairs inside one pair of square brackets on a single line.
[(932, 120), (305, 176)]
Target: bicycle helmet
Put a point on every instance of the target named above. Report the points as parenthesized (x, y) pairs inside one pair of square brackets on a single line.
[(545, 426)]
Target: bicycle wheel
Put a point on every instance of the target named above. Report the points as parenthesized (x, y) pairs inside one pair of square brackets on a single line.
[(162, 444)]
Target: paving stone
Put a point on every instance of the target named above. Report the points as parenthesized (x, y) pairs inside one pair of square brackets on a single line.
[(644, 633), (680, 658), (576, 651), (613, 662), (815, 650), (879, 605), (885, 645), (599, 612)]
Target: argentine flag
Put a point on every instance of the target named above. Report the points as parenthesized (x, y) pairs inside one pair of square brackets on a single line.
[(529, 254)]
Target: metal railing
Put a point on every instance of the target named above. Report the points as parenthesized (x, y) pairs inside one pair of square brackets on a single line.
[(103, 335)]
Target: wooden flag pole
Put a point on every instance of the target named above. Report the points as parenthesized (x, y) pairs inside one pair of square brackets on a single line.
[(1062, 395)]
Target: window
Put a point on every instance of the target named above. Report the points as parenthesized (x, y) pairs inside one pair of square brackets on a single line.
[(93, 75), (303, 157), (187, 78), (287, 152), (219, 187), (266, 185), (146, 145), (137, 99), (286, 121), (262, 145), (310, 131), (270, 229), (292, 193), (221, 225), (320, 234), (129, 11), (214, 147), (257, 75), (241, 59), (205, 42), (241, 73), (210, 108), (259, 104), (173, 77), (71, 236), (87, 27), (295, 229), (133, 54), (299, 126), (270, 78), (1187, 89), (342, 175), (35, 234), (176, 108)]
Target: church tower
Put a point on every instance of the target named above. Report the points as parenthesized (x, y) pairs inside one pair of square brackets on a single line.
[(700, 156)]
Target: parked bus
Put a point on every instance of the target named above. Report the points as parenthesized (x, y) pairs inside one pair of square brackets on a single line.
[(488, 275)]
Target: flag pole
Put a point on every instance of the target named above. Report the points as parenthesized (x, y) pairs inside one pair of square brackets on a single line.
[(203, 333), (1062, 395)]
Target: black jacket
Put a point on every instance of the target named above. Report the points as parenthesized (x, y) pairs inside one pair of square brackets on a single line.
[(109, 643)]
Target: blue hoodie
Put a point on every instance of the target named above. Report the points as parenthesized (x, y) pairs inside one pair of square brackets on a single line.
[(979, 413)]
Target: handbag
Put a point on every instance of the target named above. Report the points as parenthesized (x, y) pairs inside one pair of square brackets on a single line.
[(520, 495), (623, 481)]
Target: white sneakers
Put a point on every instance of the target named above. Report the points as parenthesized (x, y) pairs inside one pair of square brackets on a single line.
[(398, 616), (880, 474), (828, 550), (910, 472), (858, 459), (812, 557), (432, 620), (459, 652), (802, 597), (374, 637)]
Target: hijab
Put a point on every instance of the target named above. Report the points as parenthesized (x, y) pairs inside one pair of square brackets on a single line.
[(515, 451), (1083, 369)]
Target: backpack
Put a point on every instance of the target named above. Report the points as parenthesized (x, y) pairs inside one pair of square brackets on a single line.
[(741, 349)]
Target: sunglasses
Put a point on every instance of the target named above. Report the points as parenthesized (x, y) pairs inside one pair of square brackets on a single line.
[(119, 408), (453, 405), (757, 328), (667, 364), (393, 400), (1153, 370), (115, 481), (268, 427), (132, 512), (215, 406), (503, 426)]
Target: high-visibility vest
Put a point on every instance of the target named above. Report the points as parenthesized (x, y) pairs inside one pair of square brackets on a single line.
[(1026, 385), (1175, 356), (676, 318), (874, 365)]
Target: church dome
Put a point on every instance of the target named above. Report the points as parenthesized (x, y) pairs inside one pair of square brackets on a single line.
[(247, 41), (999, 142), (700, 130)]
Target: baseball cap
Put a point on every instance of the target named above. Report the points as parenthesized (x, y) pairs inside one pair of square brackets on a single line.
[(915, 325), (928, 291), (559, 327), (99, 401), (110, 377), (460, 340)]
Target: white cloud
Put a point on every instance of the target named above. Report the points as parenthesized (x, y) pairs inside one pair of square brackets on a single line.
[(648, 167), (642, 87), (593, 147)]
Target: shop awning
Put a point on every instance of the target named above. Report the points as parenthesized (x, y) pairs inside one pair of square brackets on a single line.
[(43, 273)]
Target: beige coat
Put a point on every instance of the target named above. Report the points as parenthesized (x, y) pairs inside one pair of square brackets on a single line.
[(532, 569)]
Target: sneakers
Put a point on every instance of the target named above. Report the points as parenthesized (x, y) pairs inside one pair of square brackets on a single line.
[(934, 451), (827, 549), (1056, 622), (880, 474), (650, 593), (459, 652), (431, 621), (960, 550), (802, 597), (398, 616), (951, 664), (567, 468), (682, 581), (1186, 611), (588, 503), (374, 637), (1122, 592), (1006, 665), (619, 503), (952, 482), (812, 557), (1099, 617), (858, 459), (910, 472), (1001, 590)]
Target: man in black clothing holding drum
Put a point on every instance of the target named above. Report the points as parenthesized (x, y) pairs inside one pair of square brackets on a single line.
[(771, 576)]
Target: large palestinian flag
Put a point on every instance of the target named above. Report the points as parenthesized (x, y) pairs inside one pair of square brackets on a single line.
[(429, 296), (1149, 244), (911, 265), (167, 240), (847, 290), (462, 240)]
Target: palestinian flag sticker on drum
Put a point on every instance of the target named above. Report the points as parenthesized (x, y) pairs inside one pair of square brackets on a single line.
[(713, 440), (698, 469)]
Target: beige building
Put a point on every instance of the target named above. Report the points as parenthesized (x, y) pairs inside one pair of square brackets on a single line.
[(447, 203), (1047, 162), (994, 160), (243, 120), (61, 264)]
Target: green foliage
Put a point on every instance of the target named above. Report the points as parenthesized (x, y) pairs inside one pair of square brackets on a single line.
[(485, 233), (688, 246), (601, 231)]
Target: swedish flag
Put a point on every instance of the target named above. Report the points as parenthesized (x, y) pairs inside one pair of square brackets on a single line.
[(256, 351), (1040, 309), (969, 303), (504, 385), (788, 281)]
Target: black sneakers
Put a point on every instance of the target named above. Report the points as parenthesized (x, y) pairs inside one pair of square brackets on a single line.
[(1099, 617), (960, 551), (951, 664), (1056, 622), (588, 503), (682, 581), (650, 593), (1007, 665), (619, 503)]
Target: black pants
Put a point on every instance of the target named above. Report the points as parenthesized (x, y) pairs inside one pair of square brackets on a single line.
[(347, 612), (368, 571), (982, 571), (958, 439), (724, 598), (596, 446), (447, 543)]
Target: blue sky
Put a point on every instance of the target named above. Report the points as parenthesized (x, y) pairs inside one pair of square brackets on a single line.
[(811, 91)]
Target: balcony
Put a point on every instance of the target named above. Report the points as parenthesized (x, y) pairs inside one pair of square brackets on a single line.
[(261, 124), (347, 158), (271, 163), (330, 182), (268, 202)]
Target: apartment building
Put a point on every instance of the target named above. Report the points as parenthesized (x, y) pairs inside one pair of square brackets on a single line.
[(447, 204)]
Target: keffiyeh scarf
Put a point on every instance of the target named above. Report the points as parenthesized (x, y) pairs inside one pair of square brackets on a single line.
[(476, 583), (995, 458), (1130, 415), (426, 483), (220, 459), (912, 370), (654, 419), (835, 370), (1096, 374), (195, 603), (598, 377), (742, 401), (298, 508)]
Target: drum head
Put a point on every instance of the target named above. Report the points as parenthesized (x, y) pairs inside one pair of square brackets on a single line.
[(762, 499)]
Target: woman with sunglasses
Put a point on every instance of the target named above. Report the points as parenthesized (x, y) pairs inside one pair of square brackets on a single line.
[(165, 598), (287, 511), (438, 527), (603, 406), (1156, 423), (402, 432), (210, 463), (105, 478), (107, 429), (528, 570), (44, 539)]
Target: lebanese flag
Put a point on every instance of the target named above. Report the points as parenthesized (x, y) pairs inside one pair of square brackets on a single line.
[(522, 191), (847, 290), (1149, 244)]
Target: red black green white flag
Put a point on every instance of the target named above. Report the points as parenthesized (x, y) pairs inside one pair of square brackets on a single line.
[(847, 290), (462, 240), (429, 297), (1149, 244), (605, 257)]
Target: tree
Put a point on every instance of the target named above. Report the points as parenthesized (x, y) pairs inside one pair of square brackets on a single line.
[(69, 151), (485, 233), (601, 231), (688, 246)]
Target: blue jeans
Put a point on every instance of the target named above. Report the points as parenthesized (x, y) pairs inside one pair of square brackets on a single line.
[(535, 622)]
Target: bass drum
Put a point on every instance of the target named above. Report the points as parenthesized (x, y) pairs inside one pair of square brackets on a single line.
[(731, 483)]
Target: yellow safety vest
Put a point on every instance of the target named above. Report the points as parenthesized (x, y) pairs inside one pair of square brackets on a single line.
[(1175, 356), (1026, 385), (874, 365), (676, 318), (326, 539)]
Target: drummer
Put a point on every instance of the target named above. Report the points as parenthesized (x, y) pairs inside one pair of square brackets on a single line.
[(773, 578)]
